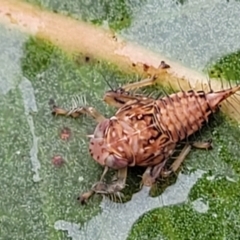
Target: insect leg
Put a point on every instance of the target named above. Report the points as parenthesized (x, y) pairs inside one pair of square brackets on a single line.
[(114, 187), (176, 164), (77, 111), (152, 173), (104, 188), (148, 81), (143, 83), (85, 196), (147, 179)]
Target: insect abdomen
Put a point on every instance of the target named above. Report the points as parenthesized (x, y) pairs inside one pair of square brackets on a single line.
[(181, 114)]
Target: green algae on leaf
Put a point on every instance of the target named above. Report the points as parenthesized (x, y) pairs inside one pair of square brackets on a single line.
[(227, 67), (37, 56), (184, 222)]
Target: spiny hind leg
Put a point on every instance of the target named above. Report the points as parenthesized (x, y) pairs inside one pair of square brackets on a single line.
[(103, 188), (116, 186), (185, 151), (85, 196), (76, 111)]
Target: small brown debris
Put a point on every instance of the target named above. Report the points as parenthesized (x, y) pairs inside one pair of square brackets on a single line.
[(58, 161), (145, 67), (163, 65), (114, 37), (85, 196), (65, 133)]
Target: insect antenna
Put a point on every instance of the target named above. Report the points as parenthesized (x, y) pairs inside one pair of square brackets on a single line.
[(107, 82)]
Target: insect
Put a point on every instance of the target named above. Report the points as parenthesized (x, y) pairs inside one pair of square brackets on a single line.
[(145, 132)]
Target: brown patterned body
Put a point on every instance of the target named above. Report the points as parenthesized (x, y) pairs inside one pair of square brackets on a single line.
[(145, 131)]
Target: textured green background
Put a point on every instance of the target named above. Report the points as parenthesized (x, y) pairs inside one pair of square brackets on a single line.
[(196, 33)]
